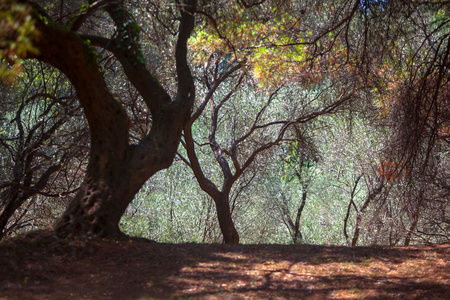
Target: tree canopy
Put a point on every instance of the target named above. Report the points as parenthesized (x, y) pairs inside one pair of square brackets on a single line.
[(273, 106)]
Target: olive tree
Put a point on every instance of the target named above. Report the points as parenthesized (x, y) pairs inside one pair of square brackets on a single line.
[(117, 168)]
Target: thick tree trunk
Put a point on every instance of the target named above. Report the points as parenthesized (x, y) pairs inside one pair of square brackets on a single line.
[(112, 181), (95, 209), (98, 206), (117, 169)]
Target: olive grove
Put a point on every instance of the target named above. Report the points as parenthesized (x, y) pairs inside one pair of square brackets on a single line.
[(227, 121)]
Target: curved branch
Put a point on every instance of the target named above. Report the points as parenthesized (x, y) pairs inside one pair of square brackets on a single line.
[(97, 5), (213, 89), (127, 50), (33, 191), (207, 185), (186, 89)]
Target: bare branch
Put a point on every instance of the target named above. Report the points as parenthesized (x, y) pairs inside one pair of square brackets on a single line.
[(34, 191), (97, 5)]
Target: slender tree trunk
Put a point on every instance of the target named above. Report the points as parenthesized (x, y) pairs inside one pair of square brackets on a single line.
[(297, 233), (352, 203), (357, 229), (347, 215), (415, 221), (229, 232), (411, 230), (221, 198), (361, 212)]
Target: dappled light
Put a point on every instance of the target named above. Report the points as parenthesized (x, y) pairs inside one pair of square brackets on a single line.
[(224, 149), (138, 269)]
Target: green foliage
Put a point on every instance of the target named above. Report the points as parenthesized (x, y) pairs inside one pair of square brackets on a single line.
[(269, 49), (319, 57), (17, 31), (92, 54)]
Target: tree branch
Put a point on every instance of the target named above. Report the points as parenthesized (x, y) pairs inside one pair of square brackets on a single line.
[(97, 5)]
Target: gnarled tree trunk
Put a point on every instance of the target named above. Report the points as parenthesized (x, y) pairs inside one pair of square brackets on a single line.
[(117, 169)]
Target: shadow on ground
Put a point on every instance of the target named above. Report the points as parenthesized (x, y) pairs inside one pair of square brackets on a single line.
[(39, 266)]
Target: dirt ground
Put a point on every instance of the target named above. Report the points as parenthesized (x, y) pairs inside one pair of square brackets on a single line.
[(38, 266)]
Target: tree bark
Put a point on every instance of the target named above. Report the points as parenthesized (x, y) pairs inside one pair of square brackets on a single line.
[(297, 233), (220, 198), (362, 211), (116, 169), (352, 203), (229, 232), (415, 219), (12, 200)]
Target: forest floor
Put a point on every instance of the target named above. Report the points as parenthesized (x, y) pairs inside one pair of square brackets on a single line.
[(38, 266)]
